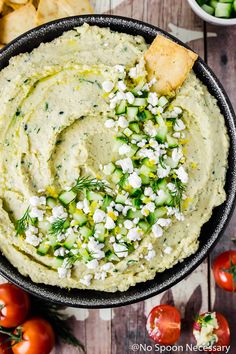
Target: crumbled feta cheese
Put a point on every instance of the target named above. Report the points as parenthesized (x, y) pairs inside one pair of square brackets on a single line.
[(60, 252), (126, 209), (148, 208), (122, 122), (59, 212), (130, 97), (148, 191), (126, 165), (134, 180), (96, 248), (133, 73), (80, 205), (63, 272), (136, 221), (93, 264), (107, 266), (163, 172), (150, 154), (168, 250), (164, 222), (120, 250), (110, 123), (151, 254), (37, 201), (36, 213), (171, 187), (179, 125), (100, 276), (176, 154), (119, 207), (86, 208), (150, 129), (110, 224), (157, 230), (86, 280), (182, 174), (121, 85), (134, 234), (32, 239), (107, 86), (152, 98), (124, 149), (119, 68), (99, 216), (162, 101), (141, 144), (178, 110), (128, 224), (112, 239), (176, 135)]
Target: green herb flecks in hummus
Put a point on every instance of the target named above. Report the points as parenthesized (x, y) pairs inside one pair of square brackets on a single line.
[(149, 170)]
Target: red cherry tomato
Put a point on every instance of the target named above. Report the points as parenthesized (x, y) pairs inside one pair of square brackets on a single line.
[(224, 270), (5, 345), (222, 333), (164, 324), (14, 305), (38, 338)]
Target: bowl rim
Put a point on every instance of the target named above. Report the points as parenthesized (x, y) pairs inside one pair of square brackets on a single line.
[(141, 291), (209, 18)]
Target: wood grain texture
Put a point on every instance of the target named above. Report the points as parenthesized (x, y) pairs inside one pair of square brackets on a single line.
[(221, 57)]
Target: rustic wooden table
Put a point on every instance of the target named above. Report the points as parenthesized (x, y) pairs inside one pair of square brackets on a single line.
[(113, 331)]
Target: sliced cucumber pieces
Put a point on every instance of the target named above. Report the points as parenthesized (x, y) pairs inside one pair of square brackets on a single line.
[(67, 197)]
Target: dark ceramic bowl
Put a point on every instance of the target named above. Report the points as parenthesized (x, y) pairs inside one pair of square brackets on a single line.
[(210, 232)]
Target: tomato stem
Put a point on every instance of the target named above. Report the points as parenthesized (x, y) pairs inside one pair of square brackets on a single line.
[(231, 270), (15, 336)]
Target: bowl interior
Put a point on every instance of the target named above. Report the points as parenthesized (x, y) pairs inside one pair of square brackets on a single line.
[(210, 232)]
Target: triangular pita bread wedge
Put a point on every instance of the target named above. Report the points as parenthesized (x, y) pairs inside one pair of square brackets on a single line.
[(169, 63), (17, 22), (49, 10)]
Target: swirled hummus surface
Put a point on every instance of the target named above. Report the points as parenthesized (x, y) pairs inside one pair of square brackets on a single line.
[(103, 182)]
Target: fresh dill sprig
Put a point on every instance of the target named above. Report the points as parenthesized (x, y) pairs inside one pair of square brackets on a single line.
[(87, 183), (57, 227), (177, 195), (23, 223)]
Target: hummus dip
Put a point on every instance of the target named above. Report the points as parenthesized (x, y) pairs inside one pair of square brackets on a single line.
[(103, 183)]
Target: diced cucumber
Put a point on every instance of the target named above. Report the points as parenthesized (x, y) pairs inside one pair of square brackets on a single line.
[(137, 202), (123, 231), (116, 176), (161, 133), (85, 232), (162, 101), (145, 170), (171, 141), (80, 217), (145, 179), (109, 168), (170, 162), (94, 196), (67, 197), (70, 241), (134, 214), (139, 102), (44, 226), (57, 262), (132, 113), (133, 150), (138, 137), (111, 256), (234, 5), (213, 3), (161, 184), (100, 232), (210, 10), (124, 181), (106, 201), (134, 126), (43, 248), (51, 202), (144, 225), (128, 132), (122, 139), (85, 254), (223, 10), (52, 240), (148, 114), (120, 199), (163, 199), (200, 2), (158, 213), (121, 108), (72, 207), (135, 192)]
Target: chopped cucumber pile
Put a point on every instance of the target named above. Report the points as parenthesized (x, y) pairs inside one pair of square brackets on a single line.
[(219, 8), (102, 222)]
